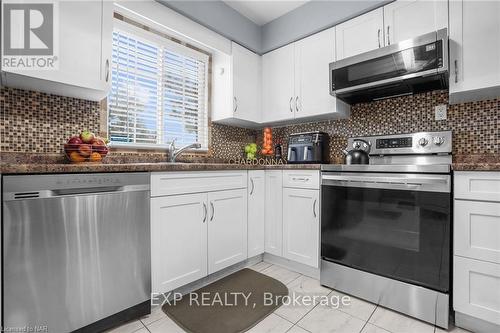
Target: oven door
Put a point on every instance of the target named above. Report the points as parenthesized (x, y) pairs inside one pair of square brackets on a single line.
[(394, 225)]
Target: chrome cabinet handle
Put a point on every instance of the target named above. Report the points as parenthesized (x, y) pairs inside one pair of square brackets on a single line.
[(205, 212), (378, 36), (456, 71), (107, 70), (302, 179), (213, 210), (235, 103), (297, 103), (290, 104), (253, 186), (314, 208), (388, 38)]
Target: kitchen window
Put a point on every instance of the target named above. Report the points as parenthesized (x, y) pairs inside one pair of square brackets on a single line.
[(158, 91)]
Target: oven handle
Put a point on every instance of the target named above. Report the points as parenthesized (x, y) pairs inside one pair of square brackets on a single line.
[(435, 184)]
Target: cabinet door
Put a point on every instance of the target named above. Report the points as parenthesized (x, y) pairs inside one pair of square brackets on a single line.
[(360, 34), (411, 18), (246, 84), (256, 199), (80, 62), (477, 230), (278, 84), (301, 225), (312, 58), (274, 212), (107, 43), (476, 289), (79, 45), (227, 230), (474, 50), (178, 240)]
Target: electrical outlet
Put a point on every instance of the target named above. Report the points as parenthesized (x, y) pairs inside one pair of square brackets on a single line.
[(440, 112)]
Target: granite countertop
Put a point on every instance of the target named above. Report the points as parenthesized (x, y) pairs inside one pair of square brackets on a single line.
[(42, 168), (18, 164)]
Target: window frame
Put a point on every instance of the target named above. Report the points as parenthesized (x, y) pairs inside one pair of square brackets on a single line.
[(175, 47)]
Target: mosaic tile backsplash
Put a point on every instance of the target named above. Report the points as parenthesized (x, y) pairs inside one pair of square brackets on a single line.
[(32, 122), (475, 125)]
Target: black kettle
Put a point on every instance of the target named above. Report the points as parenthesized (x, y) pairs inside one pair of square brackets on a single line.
[(359, 153)]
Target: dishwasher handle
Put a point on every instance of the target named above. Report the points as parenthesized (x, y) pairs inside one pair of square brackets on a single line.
[(86, 190), (66, 192)]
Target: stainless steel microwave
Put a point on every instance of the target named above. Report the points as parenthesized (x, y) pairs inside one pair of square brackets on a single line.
[(408, 67)]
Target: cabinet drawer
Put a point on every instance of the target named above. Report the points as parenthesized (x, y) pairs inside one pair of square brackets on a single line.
[(301, 179), (169, 183), (479, 185), (476, 287), (477, 230)]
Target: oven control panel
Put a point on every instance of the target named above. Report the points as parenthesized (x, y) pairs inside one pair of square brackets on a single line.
[(404, 142), (408, 144)]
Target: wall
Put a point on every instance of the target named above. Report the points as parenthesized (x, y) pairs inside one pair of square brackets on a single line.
[(36, 125), (221, 18), (292, 26), (298, 24), (475, 126)]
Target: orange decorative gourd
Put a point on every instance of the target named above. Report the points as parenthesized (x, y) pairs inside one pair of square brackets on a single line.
[(267, 142)]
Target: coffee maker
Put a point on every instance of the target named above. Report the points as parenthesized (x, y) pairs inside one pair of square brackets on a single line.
[(308, 147)]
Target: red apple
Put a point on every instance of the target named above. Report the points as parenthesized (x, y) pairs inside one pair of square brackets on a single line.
[(75, 140), (103, 151), (87, 136), (98, 144)]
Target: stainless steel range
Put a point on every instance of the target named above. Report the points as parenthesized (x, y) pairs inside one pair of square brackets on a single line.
[(386, 225)]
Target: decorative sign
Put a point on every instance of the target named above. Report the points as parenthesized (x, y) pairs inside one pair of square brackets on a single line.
[(258, 161)]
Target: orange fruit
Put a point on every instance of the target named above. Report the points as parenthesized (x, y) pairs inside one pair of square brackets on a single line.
[(75, 157), (95, 157)]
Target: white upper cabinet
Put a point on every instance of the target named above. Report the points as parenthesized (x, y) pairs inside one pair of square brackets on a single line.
[(246, 84), (85, 33), (313, 56), (236, 87), (474, 50), (256, 204), (227, 230), (296, 81), (278, 84), (393, 23), (406, 19), (360, 34)]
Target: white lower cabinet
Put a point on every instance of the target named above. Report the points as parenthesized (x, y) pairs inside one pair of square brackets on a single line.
[(477, 230), (274, 212), (256, 204), (227, 228), (196, 234), (178, 240), (476, 260), (301, 225), (477, 289)]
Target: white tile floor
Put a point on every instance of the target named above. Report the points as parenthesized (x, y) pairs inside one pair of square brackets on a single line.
[(357, 317)]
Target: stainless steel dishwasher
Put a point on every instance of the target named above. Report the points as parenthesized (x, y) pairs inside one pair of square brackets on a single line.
[(76, 251)]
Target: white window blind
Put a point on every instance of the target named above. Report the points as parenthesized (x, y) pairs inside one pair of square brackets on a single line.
[(158, 91)]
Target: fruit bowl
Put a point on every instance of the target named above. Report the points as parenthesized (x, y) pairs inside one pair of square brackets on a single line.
[(85, 148), (83, 152)]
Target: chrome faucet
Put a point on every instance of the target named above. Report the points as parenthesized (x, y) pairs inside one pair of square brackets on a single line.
[(173, 152)]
